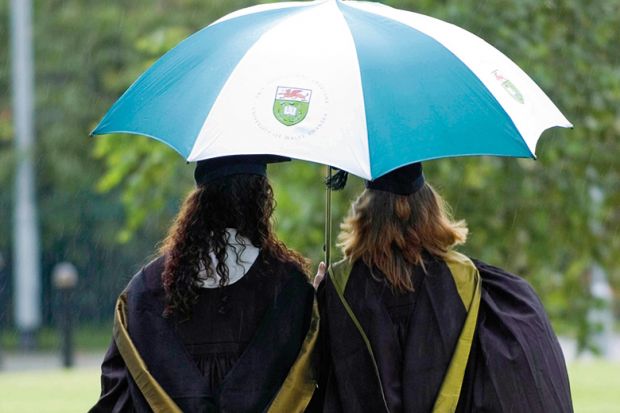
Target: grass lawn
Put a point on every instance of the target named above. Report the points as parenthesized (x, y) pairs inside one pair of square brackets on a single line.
[(54, 391), (595, 387)]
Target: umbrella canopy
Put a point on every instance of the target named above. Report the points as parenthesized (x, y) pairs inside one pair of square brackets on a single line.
[(357, 85)]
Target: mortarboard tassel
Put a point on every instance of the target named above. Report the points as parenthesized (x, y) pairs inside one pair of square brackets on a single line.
[(337, 181)]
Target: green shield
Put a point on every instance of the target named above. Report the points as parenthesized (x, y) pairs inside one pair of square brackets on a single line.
[(290, 112), (513, 91), (291, 104)]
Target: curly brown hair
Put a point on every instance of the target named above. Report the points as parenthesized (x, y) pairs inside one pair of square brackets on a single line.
[(243, 202), (390, 232)]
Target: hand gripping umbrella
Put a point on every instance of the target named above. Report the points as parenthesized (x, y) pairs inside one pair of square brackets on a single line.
[(356, 85)]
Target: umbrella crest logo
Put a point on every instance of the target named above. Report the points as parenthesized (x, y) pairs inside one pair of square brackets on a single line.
[(291, 105), (509, 87)]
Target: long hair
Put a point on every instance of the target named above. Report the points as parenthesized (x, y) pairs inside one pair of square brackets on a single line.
[(243, 202), (390, 232)]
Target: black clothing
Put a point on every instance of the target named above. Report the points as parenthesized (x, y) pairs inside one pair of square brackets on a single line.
[(234, 352), (224, 321), (515, 363)]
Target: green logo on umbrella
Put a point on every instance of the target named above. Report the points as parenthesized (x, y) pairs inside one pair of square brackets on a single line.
[(509, 87), (291, 105)]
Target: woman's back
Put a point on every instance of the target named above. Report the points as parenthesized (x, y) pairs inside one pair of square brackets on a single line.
[(249, 358), (513, 360), (410, 325), (411, 336), (224, 320), (223, 317)]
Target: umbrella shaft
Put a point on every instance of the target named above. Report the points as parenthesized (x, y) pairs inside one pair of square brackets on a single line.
[(328, 217)]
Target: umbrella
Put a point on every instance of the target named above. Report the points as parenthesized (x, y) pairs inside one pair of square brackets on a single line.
[(356, 85)]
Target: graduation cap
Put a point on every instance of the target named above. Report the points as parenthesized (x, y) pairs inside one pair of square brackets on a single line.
[(405, 180), (212, 169)]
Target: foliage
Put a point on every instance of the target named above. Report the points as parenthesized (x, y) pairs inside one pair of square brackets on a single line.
[(81, 50), (549, 220), (553, 219)]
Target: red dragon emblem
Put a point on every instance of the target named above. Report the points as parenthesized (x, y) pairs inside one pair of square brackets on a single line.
[(293, 94)]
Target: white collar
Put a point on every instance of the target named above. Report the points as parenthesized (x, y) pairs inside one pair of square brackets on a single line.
[(247, 255)]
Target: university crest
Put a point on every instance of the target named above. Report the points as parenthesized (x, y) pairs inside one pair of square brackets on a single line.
[(291, 105), (509, 87)]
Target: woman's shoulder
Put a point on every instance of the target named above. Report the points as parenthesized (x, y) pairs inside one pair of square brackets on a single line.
[(494, 275), (283, 272), (512, 293), (148, 278)]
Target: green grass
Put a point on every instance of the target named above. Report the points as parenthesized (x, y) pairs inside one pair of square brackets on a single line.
[(57, 391), (595, 386)]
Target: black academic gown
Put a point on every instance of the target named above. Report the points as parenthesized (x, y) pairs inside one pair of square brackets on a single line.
[(279, 349), (515, 363)]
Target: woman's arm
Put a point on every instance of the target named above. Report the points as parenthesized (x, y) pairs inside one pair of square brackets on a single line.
[(320, 274), (323, 365), (115, 396)]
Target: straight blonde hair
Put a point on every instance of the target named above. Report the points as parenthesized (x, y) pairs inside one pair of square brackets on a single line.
[(390, 232)]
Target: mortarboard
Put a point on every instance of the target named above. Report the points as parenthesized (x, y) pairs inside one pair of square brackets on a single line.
[(215, 168), (405, 180)]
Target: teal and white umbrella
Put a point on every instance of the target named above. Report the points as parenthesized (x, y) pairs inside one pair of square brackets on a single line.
[(356, 85)]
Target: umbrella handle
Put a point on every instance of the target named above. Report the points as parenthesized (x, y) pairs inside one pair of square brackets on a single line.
[(328, 218)]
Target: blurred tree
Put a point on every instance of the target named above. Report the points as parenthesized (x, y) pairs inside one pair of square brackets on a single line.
[(549, 220), (80, 47), (553, 219), (6, 151), (535, 218)]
